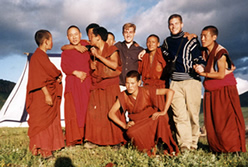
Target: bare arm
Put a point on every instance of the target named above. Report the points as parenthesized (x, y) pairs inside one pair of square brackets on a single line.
[(48, 97), (112, 63), (78, 47), (169, 96), (67, 47), (80, 74), (141, 54), (222, 71), (112, 115)]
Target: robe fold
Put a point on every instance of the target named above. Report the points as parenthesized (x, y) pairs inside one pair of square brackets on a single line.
[(146, 132), (45, 130), (152, 74), (104, 90), (76, 93), (223, 117)]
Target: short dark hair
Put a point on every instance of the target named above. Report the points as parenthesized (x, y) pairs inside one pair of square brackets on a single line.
[(92, 25), (133, 74), (72, 26), (213, 30), (111, 34), (102, 32), (153, 35), (40, 35), (175, 16)]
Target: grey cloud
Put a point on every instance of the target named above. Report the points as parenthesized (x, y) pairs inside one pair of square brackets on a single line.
[(19, 19)]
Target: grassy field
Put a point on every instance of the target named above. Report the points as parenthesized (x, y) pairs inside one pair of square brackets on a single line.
[(14, 152)]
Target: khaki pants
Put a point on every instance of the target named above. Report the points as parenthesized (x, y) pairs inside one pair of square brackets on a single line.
[(186, 107)]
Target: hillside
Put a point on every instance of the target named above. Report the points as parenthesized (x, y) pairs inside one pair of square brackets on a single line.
[(5, 89), (244, 99)]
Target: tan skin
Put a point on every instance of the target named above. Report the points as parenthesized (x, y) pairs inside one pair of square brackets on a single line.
[(152, 44), (175, 27), (74, 36), (208, 41), (96, 51), (47, 44), (78, 46), (132, 87), (110, 41)]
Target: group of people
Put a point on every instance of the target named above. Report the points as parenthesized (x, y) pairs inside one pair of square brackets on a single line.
[(105, 103)]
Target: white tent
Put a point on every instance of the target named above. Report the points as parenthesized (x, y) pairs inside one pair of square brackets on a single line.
[(13, 112)]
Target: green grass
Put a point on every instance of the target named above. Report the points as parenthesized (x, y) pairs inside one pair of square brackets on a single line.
[(245, 114), (14, 152)]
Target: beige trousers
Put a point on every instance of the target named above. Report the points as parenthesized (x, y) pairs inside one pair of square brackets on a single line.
[(186, 108)]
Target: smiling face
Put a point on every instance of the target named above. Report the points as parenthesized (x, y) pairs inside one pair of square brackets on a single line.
[(175, 25), (74, 36), (128, 34), (152, 43)]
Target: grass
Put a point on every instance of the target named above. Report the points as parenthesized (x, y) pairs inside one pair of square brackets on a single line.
[(14, 152)]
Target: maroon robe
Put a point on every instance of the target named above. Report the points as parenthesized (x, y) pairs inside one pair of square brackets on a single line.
[(152, 71), (45, 130), (152, 74), (105, 88), (76, 93), (223, 117), (146, 132)]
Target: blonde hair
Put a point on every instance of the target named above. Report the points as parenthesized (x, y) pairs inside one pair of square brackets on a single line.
[(128, 25)]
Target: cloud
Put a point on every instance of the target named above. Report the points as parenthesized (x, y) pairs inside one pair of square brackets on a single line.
[(20, 19), (227, 15)]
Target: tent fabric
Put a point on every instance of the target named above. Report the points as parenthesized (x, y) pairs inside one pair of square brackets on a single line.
[(13, 113)]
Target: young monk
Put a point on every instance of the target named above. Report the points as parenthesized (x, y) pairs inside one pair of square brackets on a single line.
[(147, 125), (44, 90), (111, 39), (79, 47), (151, 67), (77, 89), (105, 71), (223, 117)]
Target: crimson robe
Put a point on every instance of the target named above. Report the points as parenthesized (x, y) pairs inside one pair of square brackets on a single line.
[(45, 130), (77, 93), (105, 88), (146, 132), (152, 73), (223, 117)]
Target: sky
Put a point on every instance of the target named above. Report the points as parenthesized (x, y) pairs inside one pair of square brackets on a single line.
[(20, 19)]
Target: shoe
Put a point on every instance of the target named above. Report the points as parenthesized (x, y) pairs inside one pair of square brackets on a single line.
[(193, 149), (184, 149)]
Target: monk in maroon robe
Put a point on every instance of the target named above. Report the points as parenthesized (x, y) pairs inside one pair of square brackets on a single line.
[(151, 67), (43, 99), (105, 71), (223, 117), (147, 125), (77, 89)]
